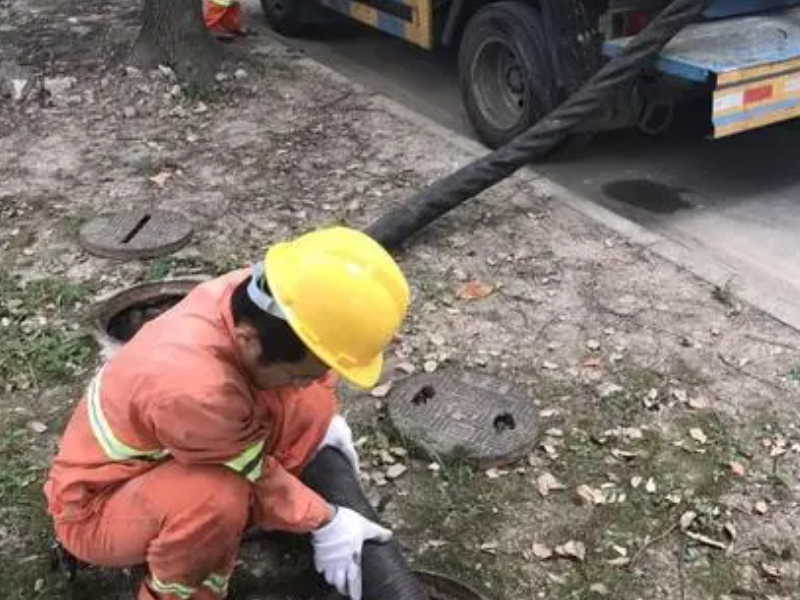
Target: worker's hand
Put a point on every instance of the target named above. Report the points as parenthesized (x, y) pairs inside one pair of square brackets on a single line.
[(338, 546), (340, 437)]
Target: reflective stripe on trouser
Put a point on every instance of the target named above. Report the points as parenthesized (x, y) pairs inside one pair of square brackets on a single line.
[(114, 448), (218, 584)]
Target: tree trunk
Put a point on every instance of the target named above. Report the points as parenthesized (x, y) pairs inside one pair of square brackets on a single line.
[(173, 33)]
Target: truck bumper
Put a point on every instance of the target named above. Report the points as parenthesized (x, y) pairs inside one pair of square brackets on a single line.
[(751, 64)]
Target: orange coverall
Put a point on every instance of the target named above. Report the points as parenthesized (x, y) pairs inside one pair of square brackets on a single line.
[(172, 454)]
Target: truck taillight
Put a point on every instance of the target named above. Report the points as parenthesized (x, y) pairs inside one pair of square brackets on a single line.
[(636, 22)]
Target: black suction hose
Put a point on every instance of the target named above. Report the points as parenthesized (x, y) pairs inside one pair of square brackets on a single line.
[(385, 573), (400, 223)]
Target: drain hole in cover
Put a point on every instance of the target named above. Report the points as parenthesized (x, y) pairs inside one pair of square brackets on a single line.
[(132, 233), (422, 396), (504, 421)]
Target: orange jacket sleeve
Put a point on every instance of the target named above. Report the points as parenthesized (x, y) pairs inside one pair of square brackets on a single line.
[(221, 428)]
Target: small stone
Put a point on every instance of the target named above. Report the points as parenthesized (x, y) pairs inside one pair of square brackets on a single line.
[(589, 496), (550, 366), (434, 467), (760, 507), (650, 486), (430, 366), (200, 108), (175, 91), (680, 396), (39, 585), (436, 339), (132, 72), (599, 589), (399, 451), (5, 321), (37, 426), (378, 478), (129, 112), (698, 435), (608, 389), (737, 469), (396, 471), (220, 77), (698, 403), (240, 74), (547, 483), (593, 345)]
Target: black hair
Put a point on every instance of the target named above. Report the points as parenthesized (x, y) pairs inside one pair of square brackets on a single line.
[(279, 342)]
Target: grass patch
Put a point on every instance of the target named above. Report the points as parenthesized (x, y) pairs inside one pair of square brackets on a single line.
[(41, 341)]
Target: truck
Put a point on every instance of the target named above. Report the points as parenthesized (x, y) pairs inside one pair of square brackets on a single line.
[(518, 59)]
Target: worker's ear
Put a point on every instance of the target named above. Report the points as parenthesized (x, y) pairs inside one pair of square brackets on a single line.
[(246, 337)]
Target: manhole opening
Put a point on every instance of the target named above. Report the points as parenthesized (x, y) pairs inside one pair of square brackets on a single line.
[(123, 325), (503, 422), (422, 396)]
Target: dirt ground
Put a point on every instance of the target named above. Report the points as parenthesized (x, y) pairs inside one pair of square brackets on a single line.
[(667, 461)]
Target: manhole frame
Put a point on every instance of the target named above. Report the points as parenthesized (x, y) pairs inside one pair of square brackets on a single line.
[(92, 228), (113, 303)]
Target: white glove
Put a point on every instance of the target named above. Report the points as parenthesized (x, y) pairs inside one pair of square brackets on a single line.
[(340, 437), (337, 549)]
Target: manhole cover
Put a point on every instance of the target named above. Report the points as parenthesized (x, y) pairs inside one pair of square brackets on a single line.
[(136, 234), (463, 414)]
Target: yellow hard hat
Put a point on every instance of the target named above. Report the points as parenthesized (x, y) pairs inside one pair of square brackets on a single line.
[(343, 295)]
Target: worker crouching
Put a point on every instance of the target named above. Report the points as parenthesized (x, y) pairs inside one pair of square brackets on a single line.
[(200, 426)]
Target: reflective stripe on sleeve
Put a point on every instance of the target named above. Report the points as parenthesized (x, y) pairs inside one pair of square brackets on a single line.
[(248, 463), (114, 448)]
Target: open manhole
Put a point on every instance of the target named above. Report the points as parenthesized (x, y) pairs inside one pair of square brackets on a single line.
[(464, 414), (117, 318), (136, 234)]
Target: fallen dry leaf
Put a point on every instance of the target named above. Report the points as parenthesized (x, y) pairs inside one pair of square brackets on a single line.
[(770, 570), (650, 486), (572, 549), (599, 589), (589, 495), (698, 403), (619, 562), (494, 473), (541, 551), (490, 547), (680, 395), (161, 178), (550, 412), (687, 519), (474, 290), (406, 367), (623, 454), (547, 483), (636, 481), (382, 391), (698, 435), (737, 469), (554, 432)]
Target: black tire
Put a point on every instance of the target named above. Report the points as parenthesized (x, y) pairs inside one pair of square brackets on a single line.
[(291, 18), (506, 76)]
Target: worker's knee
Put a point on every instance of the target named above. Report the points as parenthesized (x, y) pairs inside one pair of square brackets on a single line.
[(225, 498)]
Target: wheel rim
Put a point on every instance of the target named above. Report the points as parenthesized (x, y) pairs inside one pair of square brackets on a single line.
[(499, 84)]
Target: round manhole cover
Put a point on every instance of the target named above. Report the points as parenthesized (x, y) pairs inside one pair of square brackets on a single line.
[(136, 234), (463, 414)]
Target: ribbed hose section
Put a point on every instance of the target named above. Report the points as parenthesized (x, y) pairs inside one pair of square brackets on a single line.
[(400, 223), (385, 573)]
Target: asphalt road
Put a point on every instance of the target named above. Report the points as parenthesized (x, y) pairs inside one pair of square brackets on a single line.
[(734, 202)]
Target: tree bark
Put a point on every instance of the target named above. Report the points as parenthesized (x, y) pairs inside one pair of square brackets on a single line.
[(173, 33)]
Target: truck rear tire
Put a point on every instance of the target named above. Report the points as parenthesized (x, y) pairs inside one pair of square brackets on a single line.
[(505, 74), (291, 18)]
